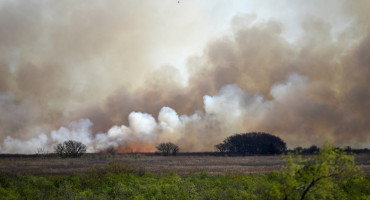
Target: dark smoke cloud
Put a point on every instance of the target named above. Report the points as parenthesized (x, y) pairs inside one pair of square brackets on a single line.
[(84, 73)]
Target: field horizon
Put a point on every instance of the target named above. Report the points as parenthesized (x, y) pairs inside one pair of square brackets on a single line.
[(182, 164)]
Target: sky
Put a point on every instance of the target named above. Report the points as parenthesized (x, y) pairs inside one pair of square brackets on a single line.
[(132, 74)]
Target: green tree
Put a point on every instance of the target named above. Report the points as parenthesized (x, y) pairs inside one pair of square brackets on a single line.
[(323, 176)]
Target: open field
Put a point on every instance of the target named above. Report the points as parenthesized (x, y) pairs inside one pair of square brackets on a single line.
[(103, 176), (181, 164)]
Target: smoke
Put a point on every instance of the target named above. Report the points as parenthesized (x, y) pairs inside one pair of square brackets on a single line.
[(231, 110), (105, 74)]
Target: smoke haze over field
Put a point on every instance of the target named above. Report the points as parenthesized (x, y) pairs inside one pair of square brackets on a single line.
[(130, 75)]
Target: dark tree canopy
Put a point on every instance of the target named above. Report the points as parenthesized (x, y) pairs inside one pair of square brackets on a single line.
[(310, 150), (251, 144), (168, 148), (70, 149)]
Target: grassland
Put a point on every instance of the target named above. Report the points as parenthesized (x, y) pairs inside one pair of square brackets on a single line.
[(186, 176), (181, 164)]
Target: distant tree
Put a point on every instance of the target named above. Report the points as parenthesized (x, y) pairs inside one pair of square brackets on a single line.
[(222, 147), (41, 151), (60, 150), (168, 148), (348, 149), (312, 150), (251, 144), (70, 149), (111, 150), (175, 149), (298, 149)]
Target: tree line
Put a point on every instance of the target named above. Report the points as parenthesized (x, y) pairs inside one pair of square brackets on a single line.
[(252, 143)]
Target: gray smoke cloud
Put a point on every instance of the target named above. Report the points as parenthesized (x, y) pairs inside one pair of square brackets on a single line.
[(90, 73)]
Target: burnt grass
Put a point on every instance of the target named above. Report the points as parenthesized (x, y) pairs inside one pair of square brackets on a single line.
[(182, 164)]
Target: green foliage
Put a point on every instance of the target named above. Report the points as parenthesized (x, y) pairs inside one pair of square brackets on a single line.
[(323, 176), (335, 173), (132, 186)]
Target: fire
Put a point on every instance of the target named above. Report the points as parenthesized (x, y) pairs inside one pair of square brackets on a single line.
[(147, 147)]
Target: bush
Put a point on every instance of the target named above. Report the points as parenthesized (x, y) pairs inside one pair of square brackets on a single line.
[(119, 181), (168, 148), (70, 149), (328, 175), (252, 144)]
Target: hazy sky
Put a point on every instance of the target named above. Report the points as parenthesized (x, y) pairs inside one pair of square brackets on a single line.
[(131, 74)]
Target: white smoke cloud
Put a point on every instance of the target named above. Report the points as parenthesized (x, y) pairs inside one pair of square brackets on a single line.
[(168, 118), (11, 145), (231, 110), (170, 125), (228, 102), (115, 137), (78, 130), (280, 90), (143, 124)]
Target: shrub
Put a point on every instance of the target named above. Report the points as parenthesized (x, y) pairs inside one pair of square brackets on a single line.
[(168, 148), (324, 176), (70, 149)]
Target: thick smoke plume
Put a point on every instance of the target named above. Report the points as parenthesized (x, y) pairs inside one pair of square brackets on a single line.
[(93, 73)]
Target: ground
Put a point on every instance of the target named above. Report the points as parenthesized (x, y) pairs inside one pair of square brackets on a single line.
[(180, 164)]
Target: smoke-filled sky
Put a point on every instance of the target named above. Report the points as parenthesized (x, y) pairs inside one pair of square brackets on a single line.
[(131, 74)]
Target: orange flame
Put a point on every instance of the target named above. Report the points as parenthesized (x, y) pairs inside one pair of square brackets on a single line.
[(132, 147)]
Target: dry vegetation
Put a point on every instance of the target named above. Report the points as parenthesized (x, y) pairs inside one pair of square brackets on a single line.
[(181, 164)]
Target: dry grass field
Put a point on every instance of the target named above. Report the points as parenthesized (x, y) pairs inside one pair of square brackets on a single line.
[(181, 164)]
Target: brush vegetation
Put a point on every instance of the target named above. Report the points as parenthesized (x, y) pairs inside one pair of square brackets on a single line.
[(70, 149), (332, 174)]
